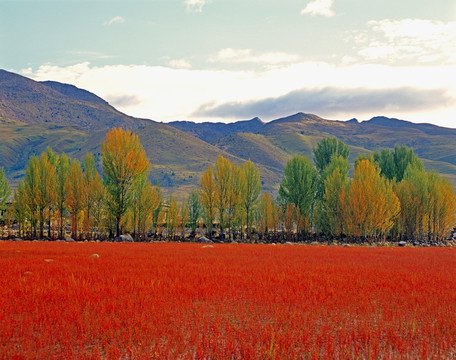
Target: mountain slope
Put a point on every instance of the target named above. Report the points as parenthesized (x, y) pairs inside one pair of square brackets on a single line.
[(211, 132)]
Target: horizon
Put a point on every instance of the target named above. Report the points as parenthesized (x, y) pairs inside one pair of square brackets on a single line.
[(219, 61)]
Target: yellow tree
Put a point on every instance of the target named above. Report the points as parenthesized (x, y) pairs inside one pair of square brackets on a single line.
[(124, 161), (183, 217), (369, 204), (251, 190), (223, 187), (172, 218), (92, 192), (75, 195), (208, 196), (266, 214), (46, 190), (20, 206)]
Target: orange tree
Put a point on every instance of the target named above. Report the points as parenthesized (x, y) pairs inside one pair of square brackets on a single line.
[(124, 161)]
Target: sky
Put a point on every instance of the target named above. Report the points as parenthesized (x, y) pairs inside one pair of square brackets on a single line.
[(228, 60)]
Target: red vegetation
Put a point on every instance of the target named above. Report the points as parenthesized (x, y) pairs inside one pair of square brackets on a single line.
[(184, 301)]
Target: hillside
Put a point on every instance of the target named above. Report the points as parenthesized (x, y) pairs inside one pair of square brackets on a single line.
[(211, 132), (35, 115)]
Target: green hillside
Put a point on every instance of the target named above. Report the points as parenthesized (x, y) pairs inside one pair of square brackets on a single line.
[(35, 115)]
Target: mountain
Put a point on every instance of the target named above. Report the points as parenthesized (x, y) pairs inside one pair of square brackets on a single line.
[(34, 115), (211, 132)]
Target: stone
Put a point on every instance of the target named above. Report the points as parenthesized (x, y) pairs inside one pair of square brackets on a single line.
[(48, 260), (207, 246), (125, 238), (94, 256), (69, 239), (288, 243), (402, 243), (204, 240)]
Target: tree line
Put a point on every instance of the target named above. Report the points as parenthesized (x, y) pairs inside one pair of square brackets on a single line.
[(389, 194)]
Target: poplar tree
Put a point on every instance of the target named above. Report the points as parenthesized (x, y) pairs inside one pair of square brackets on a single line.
[(124, 161)]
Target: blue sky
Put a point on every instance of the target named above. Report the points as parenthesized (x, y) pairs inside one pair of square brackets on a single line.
[(226, 60)]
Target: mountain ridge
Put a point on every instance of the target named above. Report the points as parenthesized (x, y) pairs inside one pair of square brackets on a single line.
[(34, 115)]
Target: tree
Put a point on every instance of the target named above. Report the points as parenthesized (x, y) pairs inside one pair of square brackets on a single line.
[(183, 218), (172, 218), (75, 198), (369, 204), (334, 179), (393, 164), (20, 206), (223, 188), (325, 150), (92, 192), (266, 214), (251, 190), (45, 190), (5, 190), (124, 161), (208, 196), (31, 191), (195, 210), (62, 172), (299, 184)]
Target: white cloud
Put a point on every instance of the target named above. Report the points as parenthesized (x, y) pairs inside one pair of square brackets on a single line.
[(164, 93), (180, 64), (416, 40), (114, 20), (195, 5), (319, 8), (238, 56)]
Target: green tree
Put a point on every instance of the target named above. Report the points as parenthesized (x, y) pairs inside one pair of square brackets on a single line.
[(393, 164), (299, 184), (5, 190), (124, 161), (31, 192), (325, 150), (92, 192), (223, 181)]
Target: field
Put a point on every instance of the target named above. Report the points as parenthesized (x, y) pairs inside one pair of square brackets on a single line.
[(188, 301)]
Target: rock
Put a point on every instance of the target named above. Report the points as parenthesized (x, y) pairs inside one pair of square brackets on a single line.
[(207, 246), (69, 239), (402, 243), (17, 239), (94, 256), (204, 240), (314, 243), (49, 260), (274, 244), (346, 245), (125, 238), (288, 243), (233, 242)]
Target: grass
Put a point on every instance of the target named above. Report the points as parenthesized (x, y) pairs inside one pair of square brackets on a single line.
[(186, 301)]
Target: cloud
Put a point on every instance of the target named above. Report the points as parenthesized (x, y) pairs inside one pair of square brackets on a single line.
[(331, 101), (122, 100), (416, 40), (238, 56), (319, 8), (195, 5), (180, 64), (114, 20), (357, 90)]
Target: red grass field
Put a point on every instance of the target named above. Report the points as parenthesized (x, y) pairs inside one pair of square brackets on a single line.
[(183, 301)]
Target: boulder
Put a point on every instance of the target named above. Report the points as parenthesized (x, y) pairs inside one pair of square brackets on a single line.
[(125, 238), (207, 246), (288, 243), (204, 240), (68, 239), (402, 243), (94, 256)]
